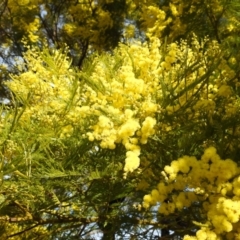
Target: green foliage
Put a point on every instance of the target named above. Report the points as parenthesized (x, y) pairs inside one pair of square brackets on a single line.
[(103, 96)]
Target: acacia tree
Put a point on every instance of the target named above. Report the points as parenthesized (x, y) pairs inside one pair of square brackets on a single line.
[(105, 95)]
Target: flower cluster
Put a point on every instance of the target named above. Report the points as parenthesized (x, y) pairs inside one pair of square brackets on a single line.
[(119, 100), (147, 129), (210, 181), (115, 111), (128, 100)]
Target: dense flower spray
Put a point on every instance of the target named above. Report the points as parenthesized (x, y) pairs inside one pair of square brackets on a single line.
[(211, 182)]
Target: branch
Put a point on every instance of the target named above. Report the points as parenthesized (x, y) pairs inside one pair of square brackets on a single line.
[(23, 231), (60, 219), (215, 23), (49, 31), (83, 55)]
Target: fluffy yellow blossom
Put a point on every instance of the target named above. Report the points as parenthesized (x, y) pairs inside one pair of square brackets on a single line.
[(187, 237), (173, 9), (147, 129), (201, 234), (23, 2), (132, 161), (149, 108), (32, 30), (224, 91), (236, 186), (130, 31), (128, 129), (69, 28), (209, 154), (104, 19), (188, 180)]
